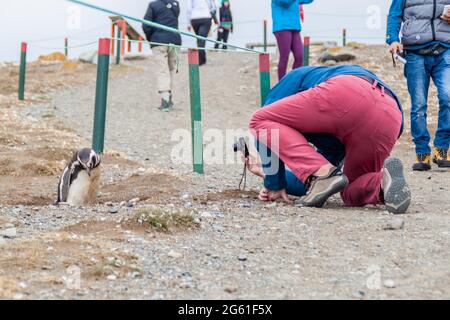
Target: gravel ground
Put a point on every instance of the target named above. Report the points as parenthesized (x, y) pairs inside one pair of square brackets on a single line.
[(242, 248)]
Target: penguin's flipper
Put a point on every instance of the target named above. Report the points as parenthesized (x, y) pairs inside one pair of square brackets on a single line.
[(64, 184)]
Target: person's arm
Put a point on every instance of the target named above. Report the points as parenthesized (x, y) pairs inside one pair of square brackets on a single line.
[(148, 30), (213, 9), (394, 24), (273, 167), (176, 10)]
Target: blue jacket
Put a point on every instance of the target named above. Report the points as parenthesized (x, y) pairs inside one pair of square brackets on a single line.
[(286, 14), (394, 24), (296, 81)]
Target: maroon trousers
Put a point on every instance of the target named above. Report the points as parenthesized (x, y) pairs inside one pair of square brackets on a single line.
[(365, 119)]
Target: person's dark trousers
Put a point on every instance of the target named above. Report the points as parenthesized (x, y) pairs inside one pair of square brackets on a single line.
[(201, 28), (222, 36)]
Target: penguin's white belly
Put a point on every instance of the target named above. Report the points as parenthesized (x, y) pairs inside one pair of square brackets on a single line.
[(79, 189)]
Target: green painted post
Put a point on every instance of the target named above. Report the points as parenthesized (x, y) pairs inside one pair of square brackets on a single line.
[(119, 35), (264, 75), (101, 93), (344, 37), (265, 35), (66, 47), (22, 70), (306, 43), (196, 112)]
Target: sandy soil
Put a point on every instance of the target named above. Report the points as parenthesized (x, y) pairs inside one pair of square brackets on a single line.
[(192, 236)]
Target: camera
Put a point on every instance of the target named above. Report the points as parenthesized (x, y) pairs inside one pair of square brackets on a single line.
[(241, 145)]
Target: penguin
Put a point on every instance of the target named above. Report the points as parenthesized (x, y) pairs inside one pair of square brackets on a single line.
[(80, 179)]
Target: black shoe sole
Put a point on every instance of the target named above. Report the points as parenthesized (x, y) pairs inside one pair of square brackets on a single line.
[(397, 197), (421, 167), (319, 200), (442, 163)]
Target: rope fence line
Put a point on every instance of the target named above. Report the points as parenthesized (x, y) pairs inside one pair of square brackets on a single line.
[(184, 47), (66, 47), (71, 35), (159, 26)]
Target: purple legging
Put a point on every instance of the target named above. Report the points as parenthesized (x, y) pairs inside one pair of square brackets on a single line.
[(289, 40)]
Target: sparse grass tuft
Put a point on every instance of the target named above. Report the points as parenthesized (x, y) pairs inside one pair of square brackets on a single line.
[(162, 221)]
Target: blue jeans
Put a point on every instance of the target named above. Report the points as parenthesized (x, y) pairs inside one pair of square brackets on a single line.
[(276, 175), (418, 71)]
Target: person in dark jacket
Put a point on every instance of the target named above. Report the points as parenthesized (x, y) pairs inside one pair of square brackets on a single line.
[(226, 23), (165, 12)]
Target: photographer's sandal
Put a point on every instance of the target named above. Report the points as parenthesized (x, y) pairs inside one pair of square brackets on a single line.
[(396, 192), (321, 188)]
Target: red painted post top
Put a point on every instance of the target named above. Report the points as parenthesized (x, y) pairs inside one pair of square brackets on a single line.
[(104, 46), (23, 47), (193, 56), (307, 41), (264, 62)]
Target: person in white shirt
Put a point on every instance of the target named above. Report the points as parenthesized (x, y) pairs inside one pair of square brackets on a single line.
[(199, 16)]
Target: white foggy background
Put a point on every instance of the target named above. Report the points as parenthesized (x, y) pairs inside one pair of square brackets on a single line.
[(31, 20)]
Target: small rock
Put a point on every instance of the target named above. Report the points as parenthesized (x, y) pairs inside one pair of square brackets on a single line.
[(174, 254), (205, 215), (217, 214), (242, 257), (395, 224), (185, 196), (111, 277), (330, 63), (134, 200), (113, 210), (218, 228), (389, 283), (130, 205), (8, 233), (230, 289)]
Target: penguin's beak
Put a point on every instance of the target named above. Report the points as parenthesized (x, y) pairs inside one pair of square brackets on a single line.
[(88, 170)]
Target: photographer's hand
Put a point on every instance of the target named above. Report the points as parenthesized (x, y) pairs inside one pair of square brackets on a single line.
[(446, 17), (253, 165), (271, 195)]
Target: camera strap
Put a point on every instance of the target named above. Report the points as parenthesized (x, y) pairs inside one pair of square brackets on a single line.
[(243, 178)]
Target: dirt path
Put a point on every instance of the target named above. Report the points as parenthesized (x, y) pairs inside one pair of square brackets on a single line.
[(217, 243)]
